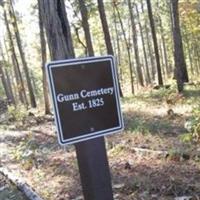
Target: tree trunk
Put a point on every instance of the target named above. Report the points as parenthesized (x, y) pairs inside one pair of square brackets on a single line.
[(127, 47), (107, 34), (22, 55), (10, 75), (149, 45), (88, 152), (189, 50), (20, 83), (44, 58), (105, 27), (6, 80), (86, 28), (57, 30), (164, 47), (181, 74), (160, 80), (161, 58), (4, 83), (135, 44), (148, 79), (118, 45)]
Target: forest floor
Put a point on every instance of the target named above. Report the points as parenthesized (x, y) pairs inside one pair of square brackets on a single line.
[(152, 159)]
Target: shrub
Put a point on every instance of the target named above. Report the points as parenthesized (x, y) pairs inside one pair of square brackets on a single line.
[(193, 125)]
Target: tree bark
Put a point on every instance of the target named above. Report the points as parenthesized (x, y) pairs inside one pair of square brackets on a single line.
[(44, 58), (57, 29), (160, 80), (181, 74)]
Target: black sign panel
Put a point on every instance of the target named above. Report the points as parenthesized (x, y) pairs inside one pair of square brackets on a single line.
[(85, 97)]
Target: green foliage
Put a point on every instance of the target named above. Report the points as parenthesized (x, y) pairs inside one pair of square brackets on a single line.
[(139, 126), (193, 127), (118, 149), (17, 113), (25, 152), (186, 138)]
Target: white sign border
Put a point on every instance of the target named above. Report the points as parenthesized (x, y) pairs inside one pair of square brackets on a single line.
[(86, 136)]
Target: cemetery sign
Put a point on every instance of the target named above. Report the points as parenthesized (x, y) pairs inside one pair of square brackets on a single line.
[(85, 98)]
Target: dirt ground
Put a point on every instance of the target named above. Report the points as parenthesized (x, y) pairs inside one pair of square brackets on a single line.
[(148, 161)]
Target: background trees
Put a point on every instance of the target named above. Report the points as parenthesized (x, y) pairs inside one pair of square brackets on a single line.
[(141, 34)]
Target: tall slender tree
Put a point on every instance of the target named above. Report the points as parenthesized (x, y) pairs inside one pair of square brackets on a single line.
[(135, 44), (6, 79), (164, 46), (181, 74), (149, 8), (149, 43), (118, 49), (22, 54), (105, 27), (18, 75), (44, 58), (127, 45), (5, 84), (106, 33), (148, 78), (86, 27)]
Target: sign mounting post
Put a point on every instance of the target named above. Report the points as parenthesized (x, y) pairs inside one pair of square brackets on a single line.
[(86, 104)]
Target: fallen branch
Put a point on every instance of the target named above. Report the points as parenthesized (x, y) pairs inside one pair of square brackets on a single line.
[(21, 185), (148, 152)]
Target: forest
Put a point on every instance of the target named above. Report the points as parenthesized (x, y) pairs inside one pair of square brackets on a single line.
[(156, 48)]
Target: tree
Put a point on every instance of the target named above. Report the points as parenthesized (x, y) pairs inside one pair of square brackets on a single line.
[(135, 44), (18, 75), (57, 29), (6, 80), (149, 8), (126, 44), (85, 24), (181, 74), (54, 20), (149, 42), (22, 55), (44, 58), (5, 85), (164, 46), (106, 33), (148, 78), (105, 27)]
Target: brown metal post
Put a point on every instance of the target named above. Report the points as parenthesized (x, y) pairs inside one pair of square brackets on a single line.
[(94, 169)]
